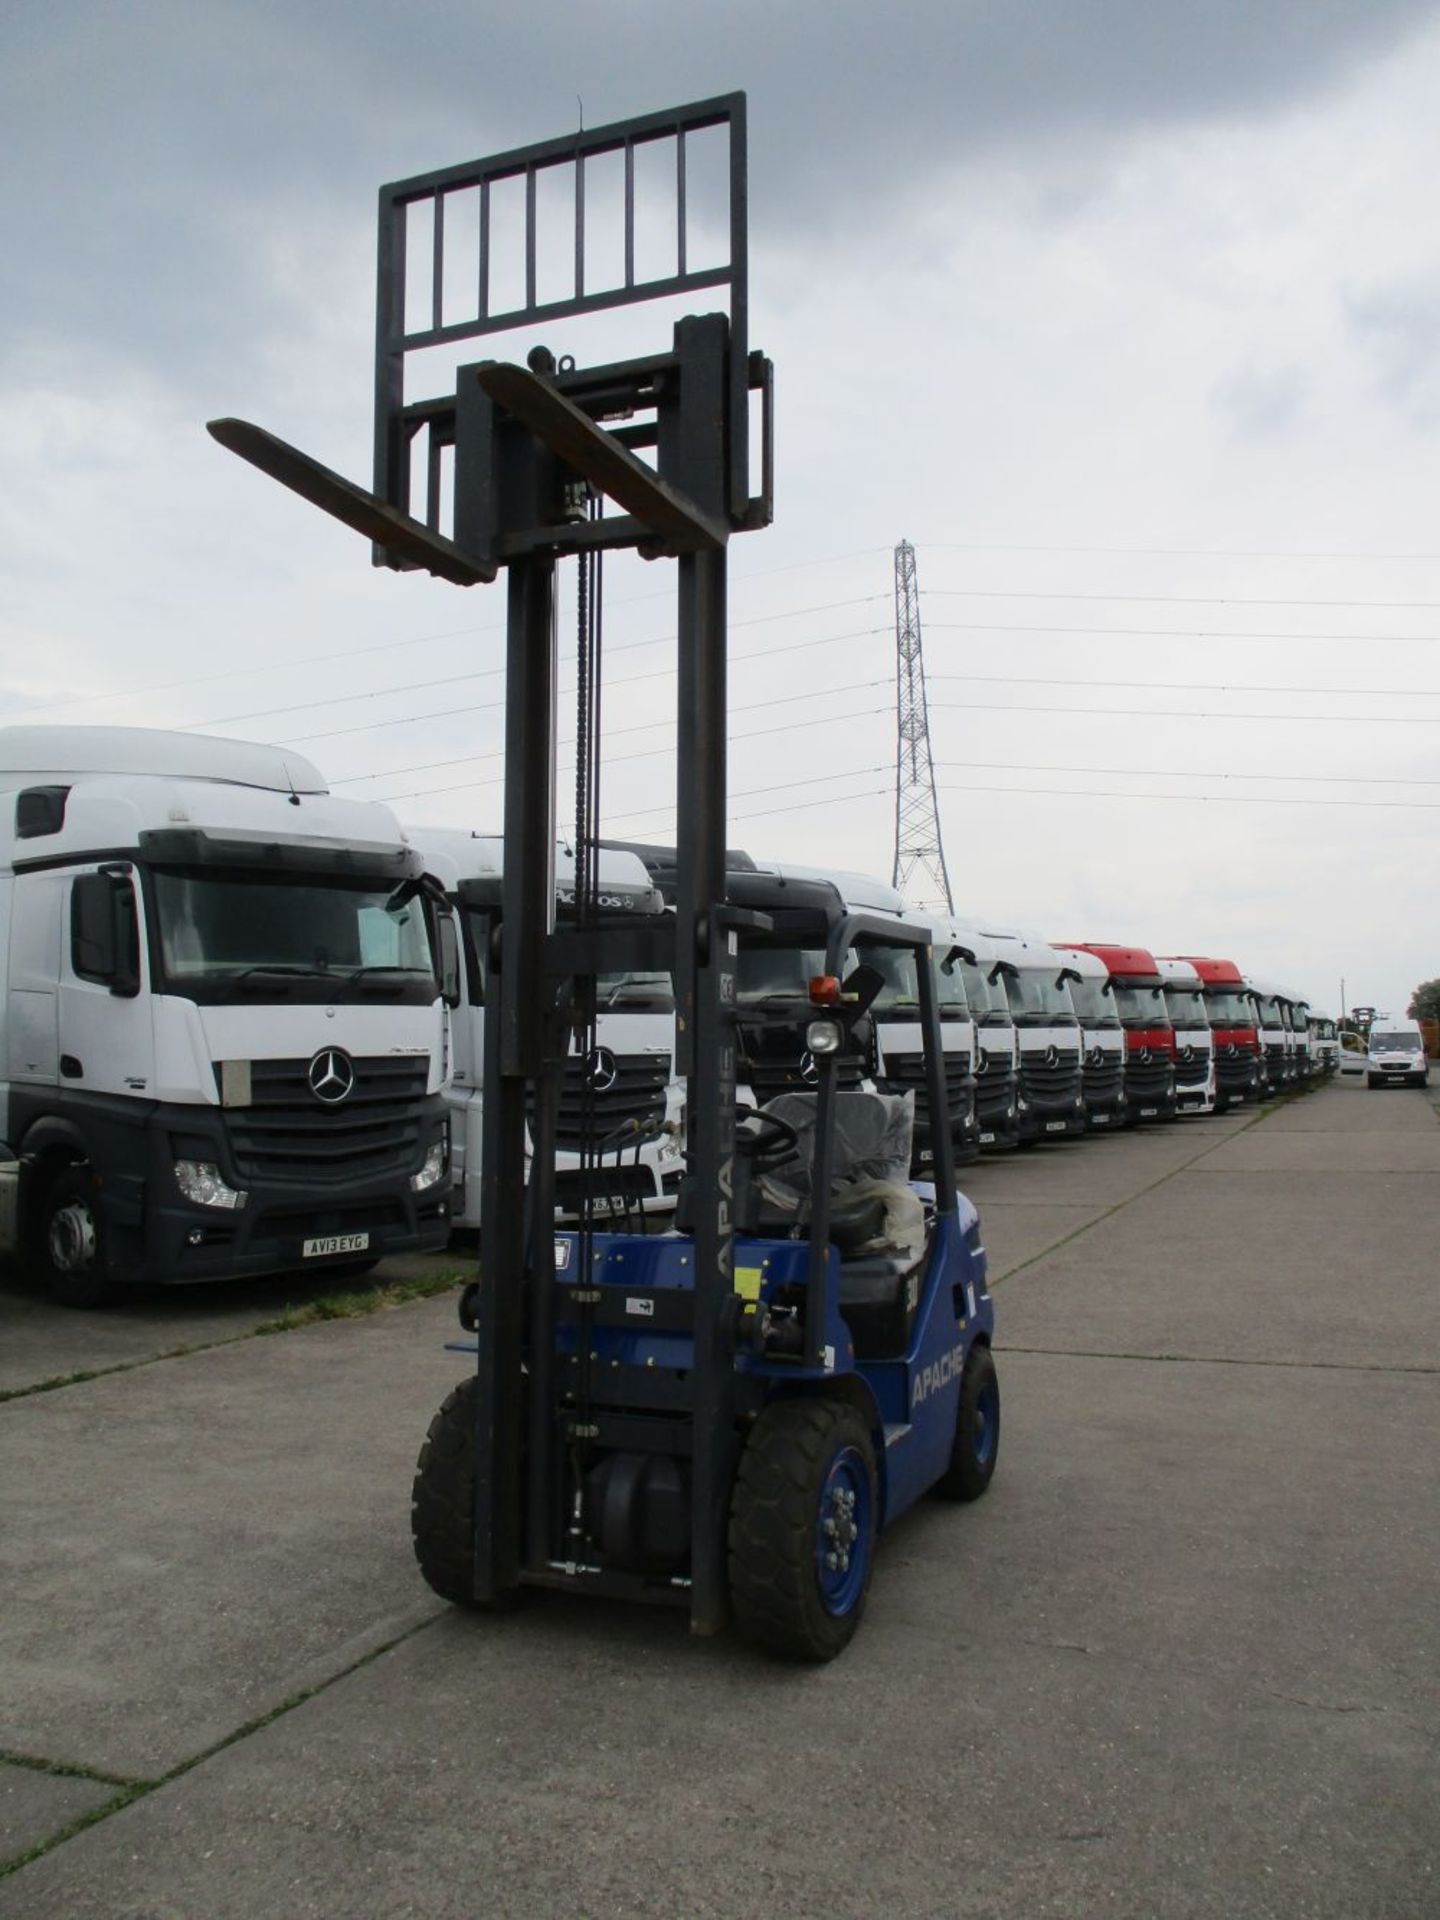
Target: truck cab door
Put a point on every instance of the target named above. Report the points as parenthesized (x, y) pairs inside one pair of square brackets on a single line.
[(106, 1031)]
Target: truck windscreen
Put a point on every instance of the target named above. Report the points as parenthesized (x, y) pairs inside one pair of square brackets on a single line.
[(1395, 1042), (634, 993), (1094, 1002), (1229, 1007), (776, 974), (1186, 1007), (1141, 1006), (1037, 998), (228, 936)]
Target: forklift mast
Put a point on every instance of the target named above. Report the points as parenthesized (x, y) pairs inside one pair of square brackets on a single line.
[(520, 468)]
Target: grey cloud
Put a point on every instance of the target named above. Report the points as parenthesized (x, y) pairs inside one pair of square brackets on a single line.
[(149, 147), (1262, 402), (1398, 328)]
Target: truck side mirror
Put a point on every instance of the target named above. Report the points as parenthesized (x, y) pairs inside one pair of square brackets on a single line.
[(104, 931), (449, 960)]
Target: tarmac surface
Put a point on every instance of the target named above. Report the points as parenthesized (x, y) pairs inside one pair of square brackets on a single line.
[(1184, 1659)]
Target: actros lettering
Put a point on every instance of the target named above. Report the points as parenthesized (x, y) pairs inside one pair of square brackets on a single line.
[(938, 1374)]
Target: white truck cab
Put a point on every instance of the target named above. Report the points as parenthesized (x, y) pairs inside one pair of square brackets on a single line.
[(982, 971), (624, 1089), (1277, 1042), (1051, 1098), (1102, 1037), (1395, 1056), (1194, 1046), (1324, 1044), (222, 1000)]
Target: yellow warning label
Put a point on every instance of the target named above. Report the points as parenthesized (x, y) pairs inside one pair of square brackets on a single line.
[(747, 1282)]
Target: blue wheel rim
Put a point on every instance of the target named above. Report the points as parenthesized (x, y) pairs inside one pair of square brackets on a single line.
[(843, 1530), (986, 1431)]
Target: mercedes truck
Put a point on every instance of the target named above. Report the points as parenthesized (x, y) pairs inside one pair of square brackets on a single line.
[(1102, 1038), (224, 1014), (1194, 1043), (620, 1121), (1050, 1102), (1139, 990), (1231, 1009)]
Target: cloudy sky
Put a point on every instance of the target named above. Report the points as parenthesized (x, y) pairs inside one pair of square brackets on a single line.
[(1125, 312)]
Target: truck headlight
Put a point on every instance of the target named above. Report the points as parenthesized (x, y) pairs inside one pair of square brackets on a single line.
[(200, 1181), (433, 1171)]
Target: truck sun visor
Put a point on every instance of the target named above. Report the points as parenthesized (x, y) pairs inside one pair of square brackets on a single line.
[(195, 847)]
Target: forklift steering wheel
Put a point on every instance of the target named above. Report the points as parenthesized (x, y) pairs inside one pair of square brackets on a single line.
[(769, 1144)]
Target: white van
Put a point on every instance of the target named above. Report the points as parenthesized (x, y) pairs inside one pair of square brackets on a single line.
[(1396, 1054), (625, 1085)]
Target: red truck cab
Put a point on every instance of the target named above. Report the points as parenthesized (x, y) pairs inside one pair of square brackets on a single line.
[(1139, 993), (1236, 1031)]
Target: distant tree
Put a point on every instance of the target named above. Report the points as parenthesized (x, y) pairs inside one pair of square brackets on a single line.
[(1425, 1001)]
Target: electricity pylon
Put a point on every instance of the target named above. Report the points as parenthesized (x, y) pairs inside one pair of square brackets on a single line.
[(920, 872)]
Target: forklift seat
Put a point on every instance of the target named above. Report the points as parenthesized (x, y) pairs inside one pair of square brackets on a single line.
[(873, 1210)]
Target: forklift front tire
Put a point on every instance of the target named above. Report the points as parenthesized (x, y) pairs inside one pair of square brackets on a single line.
[(976, 1446), (442, 1505), (803, 1522)]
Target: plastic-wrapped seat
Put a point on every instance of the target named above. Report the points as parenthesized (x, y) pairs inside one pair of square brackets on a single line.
[(877, 1222)]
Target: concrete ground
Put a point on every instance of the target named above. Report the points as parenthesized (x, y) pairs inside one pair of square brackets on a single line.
[(1182, 1660)]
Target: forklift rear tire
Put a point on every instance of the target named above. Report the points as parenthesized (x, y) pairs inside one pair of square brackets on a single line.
[(803, 1521), (442, 1505), (70, 1241), (976, 1446)]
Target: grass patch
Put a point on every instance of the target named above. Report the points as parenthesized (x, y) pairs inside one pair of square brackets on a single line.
[(365, 1300)]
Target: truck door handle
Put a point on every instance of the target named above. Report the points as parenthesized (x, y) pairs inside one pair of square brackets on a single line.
[(71, 1067)]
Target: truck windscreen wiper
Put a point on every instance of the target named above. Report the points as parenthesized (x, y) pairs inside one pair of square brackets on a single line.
[(359, 975), (269, 972)]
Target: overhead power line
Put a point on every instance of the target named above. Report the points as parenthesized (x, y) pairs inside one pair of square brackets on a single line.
[(1198, 799), (1190, 686), (1175, 773), (1169, 553), (1183, 713), (388, 646), (1206, 634), (1163, 599)]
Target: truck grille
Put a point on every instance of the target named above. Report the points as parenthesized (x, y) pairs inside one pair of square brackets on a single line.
[(1235, 1072), (994, 1085), (905, 1073), (603, 1090), (1196, 1069), (1149, 1079), (1051, 1083), (287, 1134), (1104, 1080), (768, 1077)]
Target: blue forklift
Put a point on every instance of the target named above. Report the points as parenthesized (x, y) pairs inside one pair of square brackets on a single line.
[(724, 1416)]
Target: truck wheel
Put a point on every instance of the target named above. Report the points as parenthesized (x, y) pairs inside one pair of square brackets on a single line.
[(70, 1241), (442, 1505), (1371, 1081), (803, 1520), (976, 1446)]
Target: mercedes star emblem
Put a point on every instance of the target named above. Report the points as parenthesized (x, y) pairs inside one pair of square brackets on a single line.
[(809, 1068), (601, 1072), (1052, 1056), (331, 1076)]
